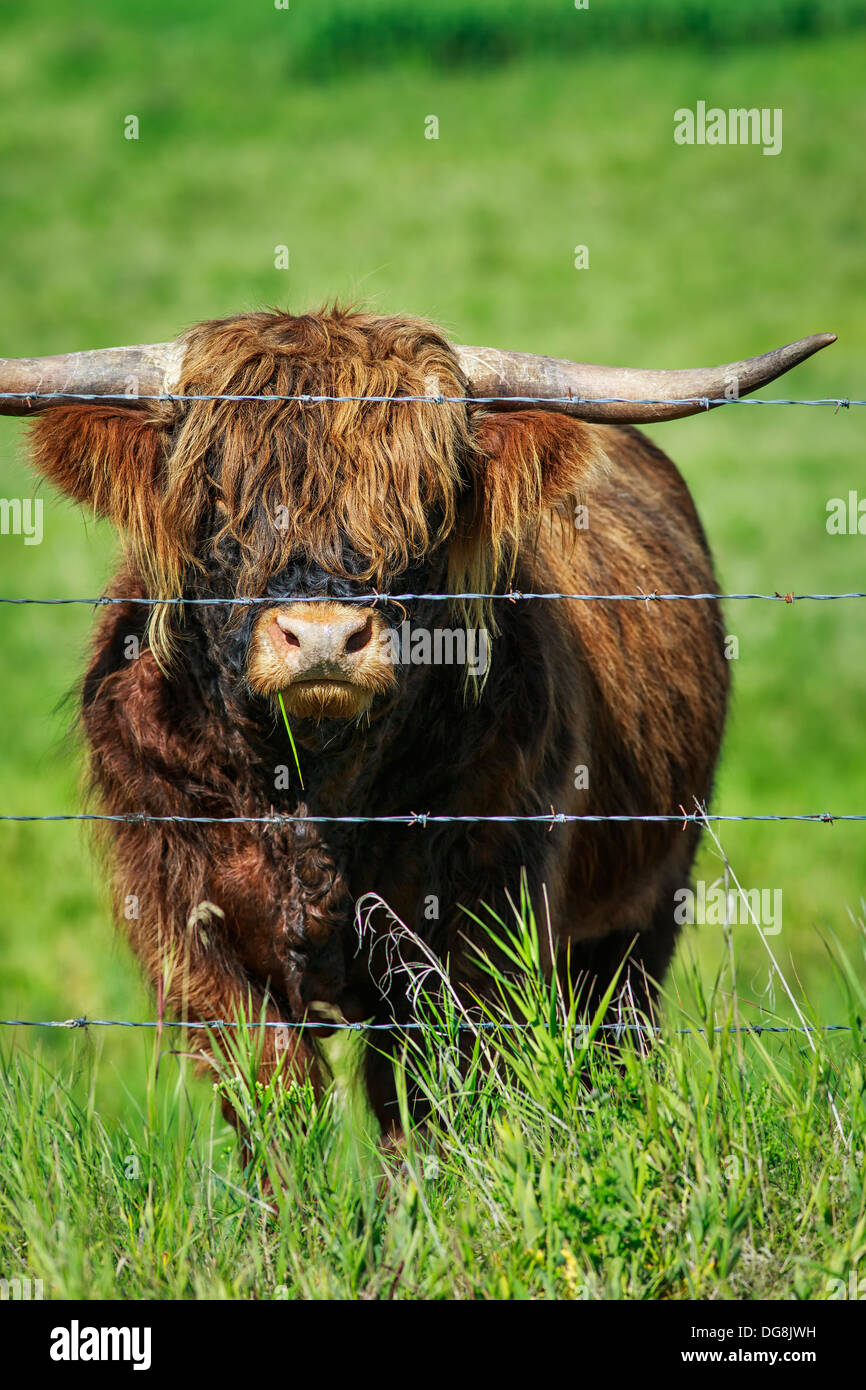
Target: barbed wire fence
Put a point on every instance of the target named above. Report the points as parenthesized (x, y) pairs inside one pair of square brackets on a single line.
[(483, 1025), (424, 818), (169, 398)]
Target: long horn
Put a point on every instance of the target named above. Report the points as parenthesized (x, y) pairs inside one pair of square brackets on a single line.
[(513, 374), (146, 369), (151, 369)]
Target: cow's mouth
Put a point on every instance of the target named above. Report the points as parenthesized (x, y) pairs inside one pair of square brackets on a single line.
[(323, 681), (326, 698)]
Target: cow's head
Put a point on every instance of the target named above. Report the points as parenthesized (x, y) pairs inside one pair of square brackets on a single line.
[(310, 504)]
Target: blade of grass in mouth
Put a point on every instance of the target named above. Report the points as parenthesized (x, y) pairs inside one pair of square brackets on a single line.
[(289, 732)]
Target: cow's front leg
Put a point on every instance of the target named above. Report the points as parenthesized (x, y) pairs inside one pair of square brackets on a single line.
[(211, 956), (254, 1041)]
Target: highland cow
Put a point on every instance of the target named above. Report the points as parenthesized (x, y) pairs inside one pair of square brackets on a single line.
[(399, 488)]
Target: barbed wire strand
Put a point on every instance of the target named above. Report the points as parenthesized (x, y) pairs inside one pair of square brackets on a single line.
[(425, 818), (705, 402), (409, 1025), (513, 596)]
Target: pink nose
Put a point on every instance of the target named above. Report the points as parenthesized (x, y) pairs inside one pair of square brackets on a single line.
[(323, 646)]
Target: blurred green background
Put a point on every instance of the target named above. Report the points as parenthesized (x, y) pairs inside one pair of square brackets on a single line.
[(304, 127)]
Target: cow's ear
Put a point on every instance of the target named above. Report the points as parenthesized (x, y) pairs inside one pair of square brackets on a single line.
[(530, 462), (107, 457)]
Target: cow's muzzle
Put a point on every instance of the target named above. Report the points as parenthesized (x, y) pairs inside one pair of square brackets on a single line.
[(328, 660)]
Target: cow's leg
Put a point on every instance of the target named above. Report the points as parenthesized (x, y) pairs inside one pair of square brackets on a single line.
[(379, 1063), (206, 994), (381, 1088), (194, 968), (382, 1053), (641, 957), (299, 1062)]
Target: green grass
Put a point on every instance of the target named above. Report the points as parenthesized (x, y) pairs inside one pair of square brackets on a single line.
[(487, 33), (696, 256), (717, 1166)]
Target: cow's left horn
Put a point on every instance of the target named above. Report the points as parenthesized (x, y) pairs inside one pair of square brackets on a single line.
[(146, 369), (514, 374)]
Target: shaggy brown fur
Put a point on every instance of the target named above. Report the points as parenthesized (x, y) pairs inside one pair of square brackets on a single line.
[(285, 499)]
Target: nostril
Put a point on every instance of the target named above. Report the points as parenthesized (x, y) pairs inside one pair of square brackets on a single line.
[(361, 638), (322, 640)]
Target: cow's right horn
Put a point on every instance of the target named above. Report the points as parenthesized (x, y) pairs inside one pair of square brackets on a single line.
[(145, 369)]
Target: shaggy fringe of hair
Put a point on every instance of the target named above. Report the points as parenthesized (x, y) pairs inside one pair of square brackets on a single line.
[(294, 479)]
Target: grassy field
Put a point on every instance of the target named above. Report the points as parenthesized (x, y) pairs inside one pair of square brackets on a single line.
[(265, 130), (716, 1167)]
